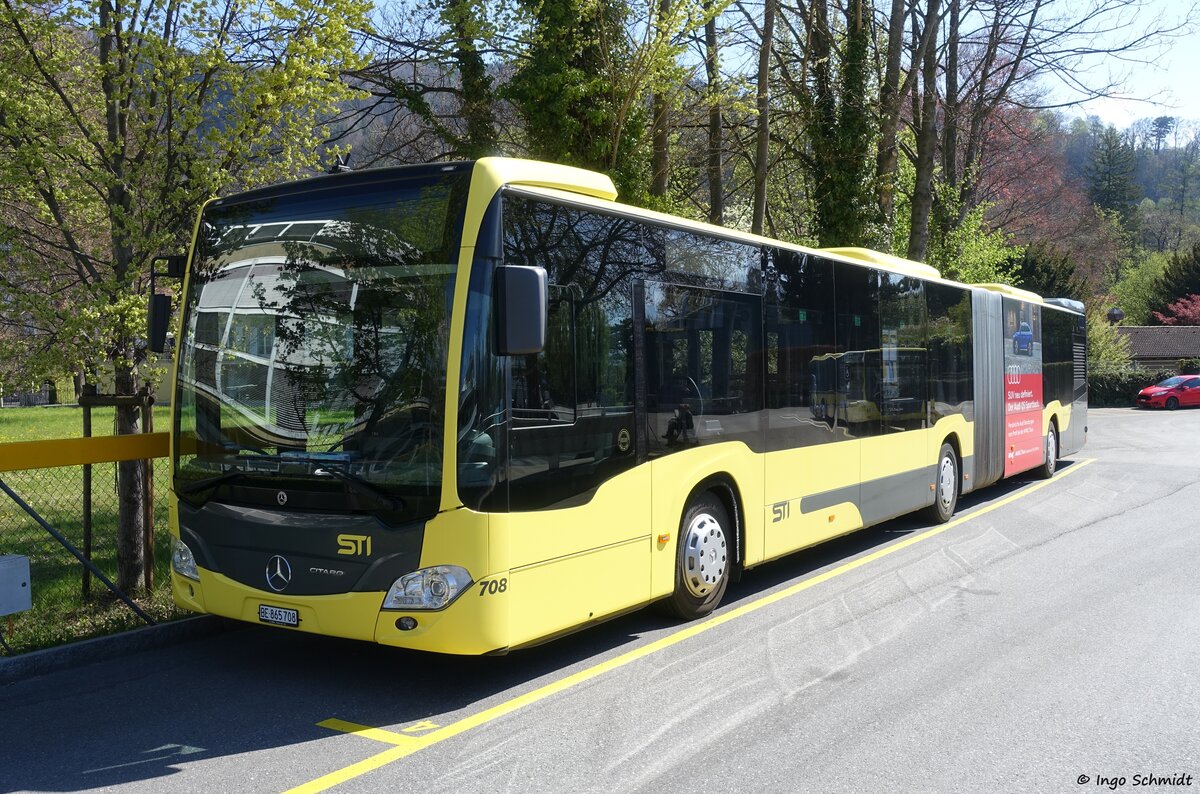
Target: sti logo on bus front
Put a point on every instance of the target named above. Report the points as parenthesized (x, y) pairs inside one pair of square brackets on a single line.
[(354, 545)]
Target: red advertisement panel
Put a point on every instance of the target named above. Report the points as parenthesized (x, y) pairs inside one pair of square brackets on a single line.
[(1024, 447), (1022, 421)]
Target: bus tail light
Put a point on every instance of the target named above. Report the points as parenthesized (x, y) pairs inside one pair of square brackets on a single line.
[(428, 588)]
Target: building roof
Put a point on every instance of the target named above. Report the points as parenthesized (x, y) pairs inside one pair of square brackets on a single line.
[(1162, 341)]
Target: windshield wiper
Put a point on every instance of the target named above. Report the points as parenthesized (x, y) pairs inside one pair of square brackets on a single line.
[(359, 485), (209, 482)]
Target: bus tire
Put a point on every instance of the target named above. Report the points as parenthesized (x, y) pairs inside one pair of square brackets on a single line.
[(1047, 469), (946, 486), (703, 560)]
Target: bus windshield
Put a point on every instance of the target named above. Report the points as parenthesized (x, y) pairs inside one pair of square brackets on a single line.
[(313, 354)]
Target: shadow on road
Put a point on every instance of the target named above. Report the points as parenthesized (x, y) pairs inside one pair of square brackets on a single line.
[(256, 688)]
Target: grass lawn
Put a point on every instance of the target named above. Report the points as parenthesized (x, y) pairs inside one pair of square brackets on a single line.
[(60, 614), (63, 421)]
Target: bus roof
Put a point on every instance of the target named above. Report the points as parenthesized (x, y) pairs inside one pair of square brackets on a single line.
[(1012, 292), (597, 190), (887, 261), (489, 174)]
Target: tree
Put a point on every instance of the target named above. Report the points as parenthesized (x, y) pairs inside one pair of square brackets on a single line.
[(1137, 289), (763, 117), (715, 164), (924, 111), (1185, 311), (1160, 129), (1049, 272), (1004, 53), (582, 81), (429, 89), (1181, 277), (1106, 348), (127, 118), (892, 93), (826, 70), (1180, 180), (1110, 174)]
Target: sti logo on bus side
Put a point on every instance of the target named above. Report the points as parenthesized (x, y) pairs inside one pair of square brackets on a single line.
[(354, 545)]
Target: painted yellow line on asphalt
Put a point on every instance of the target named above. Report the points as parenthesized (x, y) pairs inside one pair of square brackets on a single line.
[(367, 732), (413, 744)]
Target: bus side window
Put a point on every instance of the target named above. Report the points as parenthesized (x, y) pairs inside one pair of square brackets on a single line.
[(571, 405), (902, 351), (703, 366), (543, 384), (860, 388), (801, 360), (951, 373)]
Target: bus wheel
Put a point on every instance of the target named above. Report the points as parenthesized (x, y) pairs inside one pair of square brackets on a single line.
[(945, 497), (1047, 469), (703, 558)]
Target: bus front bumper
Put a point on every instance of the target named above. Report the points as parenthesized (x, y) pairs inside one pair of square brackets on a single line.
[(471, 624)]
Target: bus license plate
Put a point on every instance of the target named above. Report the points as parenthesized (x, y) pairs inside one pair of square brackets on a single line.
[(278, 615)]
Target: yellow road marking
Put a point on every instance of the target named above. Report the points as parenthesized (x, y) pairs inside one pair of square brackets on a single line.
[(367, 732), (407, 745)]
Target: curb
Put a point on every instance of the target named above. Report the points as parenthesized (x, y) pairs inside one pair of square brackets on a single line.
[(99, 649)]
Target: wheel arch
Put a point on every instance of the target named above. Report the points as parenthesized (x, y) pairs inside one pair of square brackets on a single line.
[(724, 486), (955, 443)]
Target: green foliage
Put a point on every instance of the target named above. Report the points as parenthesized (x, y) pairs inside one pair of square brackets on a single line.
[(1116, 387), (1110, 173), (1044, 269), (1189, 366), (1107, 349), (842, 133), (969, 251), (1180, 277), (581, 84), (1137, 290), (125, 121)]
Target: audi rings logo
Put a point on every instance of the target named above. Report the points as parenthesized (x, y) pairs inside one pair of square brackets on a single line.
[(1013, 374), (281, 497), (279, 573)]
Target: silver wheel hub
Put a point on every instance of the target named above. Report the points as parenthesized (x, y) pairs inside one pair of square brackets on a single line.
[(704, 555), (947, 482), (1051, 450)]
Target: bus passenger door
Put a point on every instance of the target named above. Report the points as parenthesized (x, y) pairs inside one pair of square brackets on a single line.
[(578, 532), (702, 355)]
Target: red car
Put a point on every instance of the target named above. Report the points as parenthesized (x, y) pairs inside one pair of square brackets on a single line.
[(1172, 393)]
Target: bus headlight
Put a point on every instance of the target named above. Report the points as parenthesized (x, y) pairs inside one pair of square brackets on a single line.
[(182, 561), (428, 588)]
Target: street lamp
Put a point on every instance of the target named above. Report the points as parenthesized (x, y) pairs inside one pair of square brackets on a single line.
[(1115, 316)]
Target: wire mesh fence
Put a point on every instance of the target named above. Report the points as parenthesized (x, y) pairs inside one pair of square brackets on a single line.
[(62, 609)]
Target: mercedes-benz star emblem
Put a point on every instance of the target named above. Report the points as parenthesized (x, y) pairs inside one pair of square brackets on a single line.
[(281, 497), (279, 573)]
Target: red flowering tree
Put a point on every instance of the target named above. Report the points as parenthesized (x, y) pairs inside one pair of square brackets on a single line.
[(1185, 311)]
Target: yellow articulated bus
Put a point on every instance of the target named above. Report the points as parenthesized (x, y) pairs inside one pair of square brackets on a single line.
[(467, 407)]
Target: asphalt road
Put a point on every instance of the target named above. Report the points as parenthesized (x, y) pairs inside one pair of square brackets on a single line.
[(1048, 635)]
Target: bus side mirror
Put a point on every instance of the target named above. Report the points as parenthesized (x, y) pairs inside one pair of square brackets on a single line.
[(521, 302), (158, 317), (157, 322), (170, 266)]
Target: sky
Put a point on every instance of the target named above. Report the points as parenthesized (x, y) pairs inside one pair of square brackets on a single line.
[(1172, 78)]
